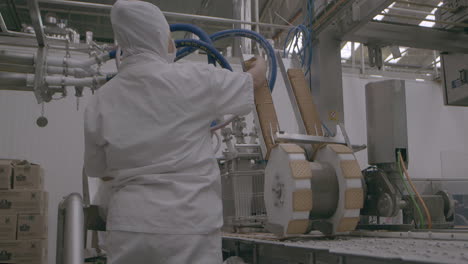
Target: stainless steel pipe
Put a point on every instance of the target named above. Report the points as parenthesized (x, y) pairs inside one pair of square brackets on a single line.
[(13, 79), (71, 231), (168, 14)]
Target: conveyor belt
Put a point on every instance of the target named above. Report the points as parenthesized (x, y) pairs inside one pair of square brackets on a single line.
[(380, 250)]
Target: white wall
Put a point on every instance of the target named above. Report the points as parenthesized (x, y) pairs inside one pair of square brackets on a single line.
[(433, 128)]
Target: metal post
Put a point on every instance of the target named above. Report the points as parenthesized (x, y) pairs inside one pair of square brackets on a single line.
[(237, 14), (353, 55), (326, 80), (70, 230), (363, 60), (247, 16)]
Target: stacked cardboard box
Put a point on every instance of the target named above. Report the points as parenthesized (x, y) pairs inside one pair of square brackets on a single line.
[(23, 213)]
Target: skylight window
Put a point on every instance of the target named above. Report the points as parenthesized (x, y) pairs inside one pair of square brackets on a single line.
[(346, 51), (380, 17), (431, 16)]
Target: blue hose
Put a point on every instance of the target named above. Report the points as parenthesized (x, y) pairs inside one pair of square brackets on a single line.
[(197, 31), (258, 38), (112, 54), (247, 34), (210, 50)]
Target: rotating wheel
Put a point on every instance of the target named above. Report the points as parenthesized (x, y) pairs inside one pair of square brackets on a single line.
[(324, 195)]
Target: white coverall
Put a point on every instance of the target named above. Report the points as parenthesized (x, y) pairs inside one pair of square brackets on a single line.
[(148, 128)]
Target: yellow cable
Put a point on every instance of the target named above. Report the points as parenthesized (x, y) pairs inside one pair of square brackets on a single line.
[(426, 210)]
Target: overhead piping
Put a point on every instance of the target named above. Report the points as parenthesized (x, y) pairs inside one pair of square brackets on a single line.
[(169, 14)]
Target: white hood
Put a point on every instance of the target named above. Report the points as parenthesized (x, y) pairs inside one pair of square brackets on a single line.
[(140, 27)]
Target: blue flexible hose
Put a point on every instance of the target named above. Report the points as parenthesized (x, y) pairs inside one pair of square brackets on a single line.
[(197, 31), (210, 50), (247, 34)]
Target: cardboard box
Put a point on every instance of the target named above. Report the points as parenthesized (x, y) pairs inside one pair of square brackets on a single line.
[(6, 173), (32, 226), (27, 176), (8, 227), (23, 251), (23, 202)]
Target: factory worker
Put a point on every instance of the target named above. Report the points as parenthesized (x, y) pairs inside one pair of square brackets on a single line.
[(149, 130)]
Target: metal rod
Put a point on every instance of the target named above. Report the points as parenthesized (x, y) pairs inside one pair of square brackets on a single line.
[(169, 14), (257, 15), (3, 26), (429, 20), (363, 61), (37, 22), (426, 5)]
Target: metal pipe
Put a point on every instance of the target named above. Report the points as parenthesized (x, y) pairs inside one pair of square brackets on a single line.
[(73, 230), (13, 79), (16, 58), (257, 15), (29, 59), (23, 79), (169, 14), (70, 81), (16, 68)]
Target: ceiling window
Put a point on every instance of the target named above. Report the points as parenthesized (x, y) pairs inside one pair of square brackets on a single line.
[(431, 16), (380, 17)]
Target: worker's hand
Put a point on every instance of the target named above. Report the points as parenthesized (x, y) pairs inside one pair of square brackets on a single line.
[(258, 71)]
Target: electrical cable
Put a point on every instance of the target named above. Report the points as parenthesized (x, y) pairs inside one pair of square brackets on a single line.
[(422, 222), (426, 210), (273, 68), (299, 39)]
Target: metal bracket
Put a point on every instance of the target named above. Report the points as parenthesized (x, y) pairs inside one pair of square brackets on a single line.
[(375, 56), (40, 87)]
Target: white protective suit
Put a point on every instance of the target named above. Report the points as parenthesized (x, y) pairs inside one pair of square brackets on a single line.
[(148, 128)]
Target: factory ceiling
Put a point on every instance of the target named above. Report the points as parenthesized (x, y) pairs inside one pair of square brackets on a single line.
[(82, 19)]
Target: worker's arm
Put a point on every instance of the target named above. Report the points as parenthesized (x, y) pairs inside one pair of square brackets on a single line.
[(234, 91), (94, 156)]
